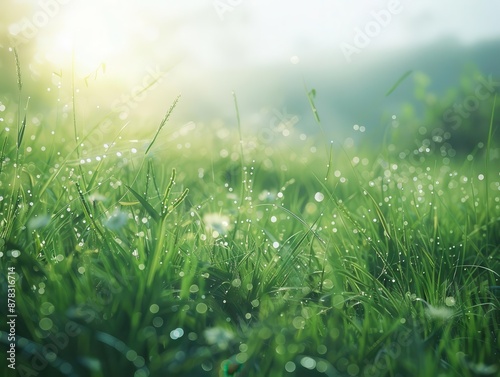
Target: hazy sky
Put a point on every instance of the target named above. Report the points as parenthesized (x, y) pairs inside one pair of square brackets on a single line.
[(234, 32), (261, 30), (208, 47)]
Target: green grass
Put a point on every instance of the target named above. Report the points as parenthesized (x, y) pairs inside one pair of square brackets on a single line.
[(389, 266)]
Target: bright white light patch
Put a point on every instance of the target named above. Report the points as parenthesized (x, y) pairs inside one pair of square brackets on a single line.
[(319, 197)]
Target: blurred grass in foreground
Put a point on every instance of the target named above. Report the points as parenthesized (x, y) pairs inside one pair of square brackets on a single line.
[(296, 258)]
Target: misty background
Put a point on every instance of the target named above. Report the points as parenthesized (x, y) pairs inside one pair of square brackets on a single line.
[(131, 59)]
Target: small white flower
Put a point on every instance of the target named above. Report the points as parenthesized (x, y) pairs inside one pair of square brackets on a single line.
[(216, 222), (96, 197), (439, 313), (38, 222), (218, 336), (116, 221)]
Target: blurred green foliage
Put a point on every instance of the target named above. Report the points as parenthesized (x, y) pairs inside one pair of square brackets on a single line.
[(457, 120)]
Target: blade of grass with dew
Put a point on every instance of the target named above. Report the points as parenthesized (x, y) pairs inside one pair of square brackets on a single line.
[(151, 176), (487, 164), (380, 215), (162, 123), (73, 103), (311, 95), (2, 153), (20, 127), (239, 128), (88, 213), (179, 200), (18, 71), (20, 134), (330, 161), (73, 99), (240, 140), (154, 262), (149, 209), (166, 195), (400, 80)]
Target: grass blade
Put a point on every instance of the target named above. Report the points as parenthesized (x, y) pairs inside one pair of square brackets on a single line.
[(487, 163), (401, 79), (164, 120), (149, 209), (311, 95), (180, 199), (2, 154), (18, 71), (164, 202), (20, 134)]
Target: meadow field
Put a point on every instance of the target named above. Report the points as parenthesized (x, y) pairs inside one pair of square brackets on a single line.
[(214, 250)]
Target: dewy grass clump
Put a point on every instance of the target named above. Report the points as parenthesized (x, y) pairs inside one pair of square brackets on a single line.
[(389, 266)]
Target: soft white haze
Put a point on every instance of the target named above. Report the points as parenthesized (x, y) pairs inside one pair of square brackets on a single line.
[(206, 48)]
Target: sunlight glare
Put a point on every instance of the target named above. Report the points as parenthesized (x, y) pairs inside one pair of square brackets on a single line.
[(94, 37)]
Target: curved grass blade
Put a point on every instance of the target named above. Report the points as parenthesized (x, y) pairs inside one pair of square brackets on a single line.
[(122, 348), (487, 164), (401, 79), (2, 154), (164, 201), (149, 209), (311, 95), (180, 199), (380, 215)]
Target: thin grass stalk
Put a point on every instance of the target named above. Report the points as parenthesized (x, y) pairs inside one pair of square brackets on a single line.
[(162, 123), (487, 172)]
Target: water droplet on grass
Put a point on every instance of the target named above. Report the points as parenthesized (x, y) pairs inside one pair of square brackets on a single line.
[(176, 333), (290, 367), (45, 324), (450, 301), (308, 362)]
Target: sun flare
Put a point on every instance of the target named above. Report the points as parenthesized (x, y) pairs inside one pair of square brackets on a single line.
[(88, 36)]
